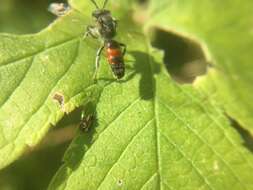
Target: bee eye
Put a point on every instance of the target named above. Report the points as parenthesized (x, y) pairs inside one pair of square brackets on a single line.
[(94, 15)]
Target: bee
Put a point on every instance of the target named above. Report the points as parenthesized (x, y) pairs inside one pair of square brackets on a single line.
[(105, 29)]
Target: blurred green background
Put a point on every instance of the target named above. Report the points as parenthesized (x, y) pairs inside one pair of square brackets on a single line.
[(35, 169), (24, 16)]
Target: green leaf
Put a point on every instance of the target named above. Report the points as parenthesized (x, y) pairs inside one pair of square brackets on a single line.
[(224, 29), (149, 132), (33, 68)]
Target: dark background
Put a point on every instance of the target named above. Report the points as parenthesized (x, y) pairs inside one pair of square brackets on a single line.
[(24, 16)]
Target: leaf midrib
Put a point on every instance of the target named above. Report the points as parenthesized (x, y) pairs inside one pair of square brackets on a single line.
[(29, 55)]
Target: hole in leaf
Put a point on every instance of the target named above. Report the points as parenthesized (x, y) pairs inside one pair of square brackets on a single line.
[(120, 182), (60, 99), (183, 57)]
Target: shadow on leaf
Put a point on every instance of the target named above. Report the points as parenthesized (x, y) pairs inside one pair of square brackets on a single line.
[(83, 140), (184, 58), (246, 136), (144, 65)]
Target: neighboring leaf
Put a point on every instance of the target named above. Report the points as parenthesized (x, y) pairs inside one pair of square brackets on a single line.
[(224, 29), (151, 133)]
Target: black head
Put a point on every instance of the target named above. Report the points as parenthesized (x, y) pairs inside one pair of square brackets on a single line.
[(100, 13), (105, 23)]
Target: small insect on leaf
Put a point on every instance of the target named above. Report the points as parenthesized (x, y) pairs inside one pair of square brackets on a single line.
[(86, 123)]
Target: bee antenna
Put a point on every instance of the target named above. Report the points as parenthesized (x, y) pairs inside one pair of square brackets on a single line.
[(94, 2), (105, 3)]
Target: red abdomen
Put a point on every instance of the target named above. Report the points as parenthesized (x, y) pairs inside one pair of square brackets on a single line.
[(115, 58), (113, 55)]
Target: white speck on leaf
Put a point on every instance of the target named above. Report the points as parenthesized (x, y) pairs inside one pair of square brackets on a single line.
[(216, 165), (120, 182)]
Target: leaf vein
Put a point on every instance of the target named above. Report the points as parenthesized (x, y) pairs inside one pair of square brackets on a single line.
[(125, 149), (149, 180), (27, 71), (185, 157), (15, 60), (218, 124), (209, 146), (119, 114), (32, 115)]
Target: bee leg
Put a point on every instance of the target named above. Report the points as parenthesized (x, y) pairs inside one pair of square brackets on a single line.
[(124, 48), (98, 61), (90, 31), (115, 22)]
